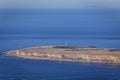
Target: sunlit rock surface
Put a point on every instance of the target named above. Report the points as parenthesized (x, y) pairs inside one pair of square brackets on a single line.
[(69, 53)]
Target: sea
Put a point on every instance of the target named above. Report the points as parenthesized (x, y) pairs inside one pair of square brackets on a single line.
[(83, 28)]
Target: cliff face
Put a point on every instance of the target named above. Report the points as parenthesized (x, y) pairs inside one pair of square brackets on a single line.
[(71, 54)]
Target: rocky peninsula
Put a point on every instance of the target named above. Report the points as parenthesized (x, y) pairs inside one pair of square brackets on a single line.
[(69, 53)]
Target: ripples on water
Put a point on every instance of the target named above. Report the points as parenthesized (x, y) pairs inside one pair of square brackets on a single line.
[(23, 69), (98, 28), (12, 68)]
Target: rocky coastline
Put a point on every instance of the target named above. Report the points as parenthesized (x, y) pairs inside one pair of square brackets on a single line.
[(69, 53)]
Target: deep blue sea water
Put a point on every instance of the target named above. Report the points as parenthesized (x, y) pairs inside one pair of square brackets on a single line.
[(29, 28), (25, 69)]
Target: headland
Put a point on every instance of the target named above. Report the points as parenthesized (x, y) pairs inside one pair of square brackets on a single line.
[(69, 53)]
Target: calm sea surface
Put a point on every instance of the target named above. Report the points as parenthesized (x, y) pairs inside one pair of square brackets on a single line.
[(29, 28), (25, 69)]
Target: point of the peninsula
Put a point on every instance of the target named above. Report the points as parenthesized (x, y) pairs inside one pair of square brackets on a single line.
[(69, 53)]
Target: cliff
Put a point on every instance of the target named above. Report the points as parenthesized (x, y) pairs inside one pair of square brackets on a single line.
[(69, 53)]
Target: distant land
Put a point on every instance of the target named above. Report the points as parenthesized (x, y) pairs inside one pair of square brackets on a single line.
[(69, 53)]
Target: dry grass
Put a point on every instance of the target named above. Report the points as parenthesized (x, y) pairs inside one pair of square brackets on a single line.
[(85, 54)]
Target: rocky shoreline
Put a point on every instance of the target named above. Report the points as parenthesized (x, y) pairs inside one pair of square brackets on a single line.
[(69, 53)]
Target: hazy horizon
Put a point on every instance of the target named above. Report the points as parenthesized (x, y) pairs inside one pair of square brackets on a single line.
[(59, 3), (59, 16), (59, 21)]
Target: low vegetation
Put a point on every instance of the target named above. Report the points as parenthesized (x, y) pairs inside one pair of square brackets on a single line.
[(69, 53)]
